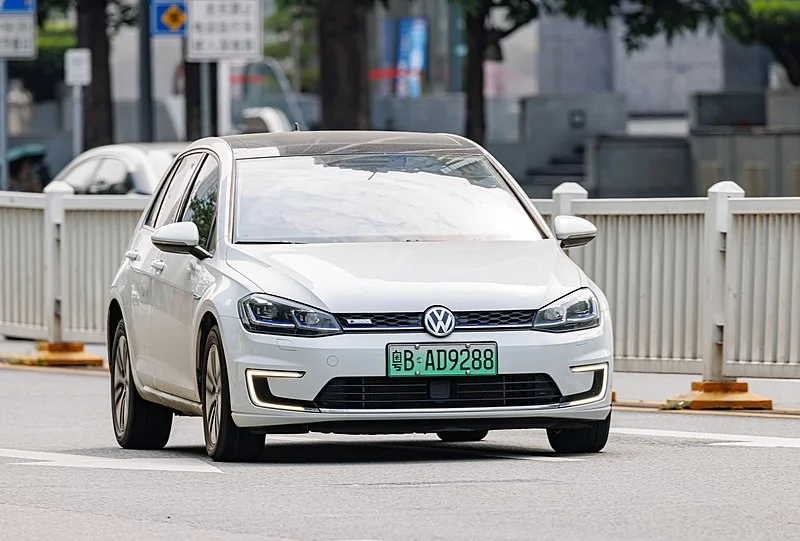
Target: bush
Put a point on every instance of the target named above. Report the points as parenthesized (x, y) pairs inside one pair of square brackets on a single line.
[(774, 24), (43, 76)]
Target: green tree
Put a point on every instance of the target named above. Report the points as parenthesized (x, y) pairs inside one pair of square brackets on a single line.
[(283, 23), (344, 87), (774, 24)]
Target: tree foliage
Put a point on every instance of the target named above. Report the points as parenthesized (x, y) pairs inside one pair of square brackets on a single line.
[(120, 12), (641, 20), (774, 24), (280, 24)]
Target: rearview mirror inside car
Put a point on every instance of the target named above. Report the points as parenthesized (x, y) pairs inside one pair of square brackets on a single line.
[(179, 238), (573, 231)]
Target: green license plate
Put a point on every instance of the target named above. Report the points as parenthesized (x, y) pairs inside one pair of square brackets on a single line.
[(442, 359)]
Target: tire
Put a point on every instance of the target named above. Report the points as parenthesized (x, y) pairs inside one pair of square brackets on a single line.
[(575, 441), (462, 436), (138, 424), (225, 442)]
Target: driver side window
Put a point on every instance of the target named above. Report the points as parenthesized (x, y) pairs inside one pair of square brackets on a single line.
[(201, 206)]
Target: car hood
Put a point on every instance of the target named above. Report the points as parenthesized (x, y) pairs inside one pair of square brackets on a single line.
[(410, 277)]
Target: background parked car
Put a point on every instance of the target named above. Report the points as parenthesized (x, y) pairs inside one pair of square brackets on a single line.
[(120, 169)]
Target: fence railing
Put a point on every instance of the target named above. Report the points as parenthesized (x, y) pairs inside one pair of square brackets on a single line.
[(707, 285)]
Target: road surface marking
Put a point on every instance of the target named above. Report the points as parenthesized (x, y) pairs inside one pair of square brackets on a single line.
[(79, 461), (732, 440)]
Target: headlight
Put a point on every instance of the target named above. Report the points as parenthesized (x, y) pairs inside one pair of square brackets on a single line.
[(272, 315), (578, 310)]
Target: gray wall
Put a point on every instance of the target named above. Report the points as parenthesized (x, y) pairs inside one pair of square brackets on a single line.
[(660, 78), (639, 166), (732, 108), (764, 164), (545, 122), (573, 58)]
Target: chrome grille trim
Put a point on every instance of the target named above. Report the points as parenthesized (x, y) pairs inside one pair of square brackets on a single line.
[(494, 320)]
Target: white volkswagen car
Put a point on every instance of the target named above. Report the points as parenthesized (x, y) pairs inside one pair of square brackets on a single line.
[(358, 283)]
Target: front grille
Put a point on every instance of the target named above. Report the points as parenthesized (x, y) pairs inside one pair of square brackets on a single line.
[(411, 321), (439, 392)]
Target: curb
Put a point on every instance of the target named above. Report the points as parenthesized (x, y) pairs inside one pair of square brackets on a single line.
[(662, 407), (17, 362)]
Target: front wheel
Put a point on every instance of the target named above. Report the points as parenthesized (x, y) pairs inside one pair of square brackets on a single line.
[(225, 442), (138, 424), (577, 441)]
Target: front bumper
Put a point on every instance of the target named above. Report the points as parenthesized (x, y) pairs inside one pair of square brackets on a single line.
[(579, 363)]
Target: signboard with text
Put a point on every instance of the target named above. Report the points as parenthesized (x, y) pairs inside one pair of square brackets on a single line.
[(18, 30), (224, 30)]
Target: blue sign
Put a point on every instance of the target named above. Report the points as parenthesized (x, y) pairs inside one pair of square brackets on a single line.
[(412, 52), (18, 7), (167, 18)]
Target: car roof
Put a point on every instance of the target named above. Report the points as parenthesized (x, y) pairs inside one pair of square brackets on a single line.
[(315, 143)]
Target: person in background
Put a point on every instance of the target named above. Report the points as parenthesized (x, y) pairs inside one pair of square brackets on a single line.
[(27, 170), (20, 108)]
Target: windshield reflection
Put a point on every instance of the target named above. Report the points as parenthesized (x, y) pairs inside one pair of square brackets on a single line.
[(376, 198)]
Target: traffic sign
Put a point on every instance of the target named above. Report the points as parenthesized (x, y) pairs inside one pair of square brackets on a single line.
[(224, 30), (18, 7), (168, 18), (17, 36), (78, 67)]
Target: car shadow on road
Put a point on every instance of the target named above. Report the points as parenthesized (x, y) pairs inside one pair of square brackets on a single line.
[(282, 452), (320, 452)]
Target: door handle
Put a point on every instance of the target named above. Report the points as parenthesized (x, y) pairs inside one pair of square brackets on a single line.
[(158, 265), (133, 255)]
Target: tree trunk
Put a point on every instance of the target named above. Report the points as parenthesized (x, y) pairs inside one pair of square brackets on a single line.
[(344, 69), (476, 47), (98, 109)]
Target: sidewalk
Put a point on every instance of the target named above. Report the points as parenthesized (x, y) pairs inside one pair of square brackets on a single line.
[(630, 387)]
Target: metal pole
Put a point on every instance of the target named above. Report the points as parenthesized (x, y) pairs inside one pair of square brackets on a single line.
[(77, 120), (205, 96), (296, 61), (4, 180), (145, 75)]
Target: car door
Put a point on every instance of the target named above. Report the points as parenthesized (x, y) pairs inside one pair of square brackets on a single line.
[(185, 279), (168, 306), (138, 298)]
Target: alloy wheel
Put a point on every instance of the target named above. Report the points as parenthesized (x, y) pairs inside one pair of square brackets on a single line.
[(122, 376), (213, 394)]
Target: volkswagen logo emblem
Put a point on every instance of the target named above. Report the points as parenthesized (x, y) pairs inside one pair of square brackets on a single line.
[(439, 321)]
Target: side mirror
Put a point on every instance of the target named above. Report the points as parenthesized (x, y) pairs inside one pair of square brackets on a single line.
[(573, 231), (179, 238)]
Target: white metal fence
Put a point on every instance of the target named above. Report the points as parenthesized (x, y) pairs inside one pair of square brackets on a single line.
[(652, 257)]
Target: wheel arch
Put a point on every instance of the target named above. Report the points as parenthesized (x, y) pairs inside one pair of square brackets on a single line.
[(114, 316), (207, 322)]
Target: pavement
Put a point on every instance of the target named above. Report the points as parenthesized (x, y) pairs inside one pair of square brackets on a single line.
[(664, 475), (630, 388)]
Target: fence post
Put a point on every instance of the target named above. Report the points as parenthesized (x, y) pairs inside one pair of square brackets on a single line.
[(56, 351), (563, 196), (716, 391), (53, 219)]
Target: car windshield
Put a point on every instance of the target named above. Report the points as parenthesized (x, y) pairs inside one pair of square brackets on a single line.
[(376, 198)]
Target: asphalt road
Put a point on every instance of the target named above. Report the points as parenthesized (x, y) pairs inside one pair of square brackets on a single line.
[(662, 476)]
